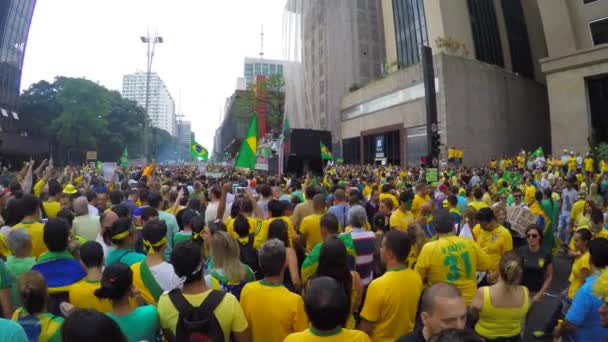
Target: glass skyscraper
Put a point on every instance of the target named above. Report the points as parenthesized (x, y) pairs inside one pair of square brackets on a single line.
[(15, 19), (266, 67)]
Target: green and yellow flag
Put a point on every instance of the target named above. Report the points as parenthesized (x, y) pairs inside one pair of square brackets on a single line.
[(247, 155), (198, 151), (326, 153), (124, 158)]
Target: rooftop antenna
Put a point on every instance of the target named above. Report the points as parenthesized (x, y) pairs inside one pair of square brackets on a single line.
[(262, 43)]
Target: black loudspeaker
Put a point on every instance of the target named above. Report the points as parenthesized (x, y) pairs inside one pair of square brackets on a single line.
[(305, 151), (306, 142)]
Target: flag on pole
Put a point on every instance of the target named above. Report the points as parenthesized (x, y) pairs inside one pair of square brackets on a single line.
[(325, 153), (198, 151), (538, 152), (124, 158), (247, 155)]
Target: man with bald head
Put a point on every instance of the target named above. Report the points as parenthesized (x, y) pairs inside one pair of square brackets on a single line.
[(84, 225), (107, 220), (441, 307)]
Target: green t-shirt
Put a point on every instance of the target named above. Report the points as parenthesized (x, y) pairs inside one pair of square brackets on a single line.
[(126, 256), (142, 324), (181, 236), (16, 267), (6, 280)]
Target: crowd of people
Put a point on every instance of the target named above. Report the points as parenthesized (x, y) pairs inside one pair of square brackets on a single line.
[(360, 253)]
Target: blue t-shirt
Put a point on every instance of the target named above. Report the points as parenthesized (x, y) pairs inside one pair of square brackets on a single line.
[(11, 331), (340, 211), (142, 324), (584, 313)]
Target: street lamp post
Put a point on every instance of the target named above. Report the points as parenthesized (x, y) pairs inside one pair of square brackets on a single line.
[(151, 41)]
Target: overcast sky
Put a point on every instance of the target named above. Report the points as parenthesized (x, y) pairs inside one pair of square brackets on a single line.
[(205, 44)]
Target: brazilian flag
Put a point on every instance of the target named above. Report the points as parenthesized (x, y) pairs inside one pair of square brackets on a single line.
[(247, 155), (326, 153), (124, 158), (198, 151)]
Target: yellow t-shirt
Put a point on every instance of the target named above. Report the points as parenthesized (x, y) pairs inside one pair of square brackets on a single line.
[(273, 312), (391, 305), (254, 225), (577, 208), (454, 260), (501, 322), (36, 232), (571, 164), (494, 243), (51, 208), (82, 295), (401, 220), (228, 313), (338, 335), (367, 191), (392, 198), (477, 205), (311, 227), (604, 166), (520, 162), (262, 235), (588, 163), (581, 263), (417, 204)]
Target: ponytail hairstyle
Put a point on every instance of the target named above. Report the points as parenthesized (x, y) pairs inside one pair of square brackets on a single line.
[(197, 225), (119, 232), (225, 251), (154, 236), (510, 268), (33, 292), (116, 282)]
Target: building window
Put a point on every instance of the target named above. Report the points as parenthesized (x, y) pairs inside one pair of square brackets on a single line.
[(485, 32), (517, 33), (599, 31), (410, 30)]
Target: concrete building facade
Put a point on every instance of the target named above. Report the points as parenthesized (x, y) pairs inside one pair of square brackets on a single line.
[(341, 48), (161, 106), (491, 96), (576, 70)]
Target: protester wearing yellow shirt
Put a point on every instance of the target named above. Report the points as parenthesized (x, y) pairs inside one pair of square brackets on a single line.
[(494, 239), (420, 197), (51, 205), (327, 309), (595, 224), (255, 224), (31, 224), (275, 208), (402, 217), (572, 163), (385, 194), (451, 259), (478, 202), (82, 294), (604, 166), (273, 312), (390, 307), (588, 164), (310, 228), (521, 161), (186, 259), (581, 267)]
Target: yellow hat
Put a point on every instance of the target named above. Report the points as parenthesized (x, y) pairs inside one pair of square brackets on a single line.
[(69, 189), (445, 203)]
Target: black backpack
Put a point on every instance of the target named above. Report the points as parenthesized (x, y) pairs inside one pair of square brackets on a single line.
[(197, 324), (249, 256)]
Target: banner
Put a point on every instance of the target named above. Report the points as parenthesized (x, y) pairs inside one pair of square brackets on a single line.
[(107, 170), (262, 156), (520, 218)]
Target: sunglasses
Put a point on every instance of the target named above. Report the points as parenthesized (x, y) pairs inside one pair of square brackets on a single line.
[(532, 236)]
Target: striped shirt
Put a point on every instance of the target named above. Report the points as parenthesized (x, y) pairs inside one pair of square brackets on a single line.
[(365, 244)]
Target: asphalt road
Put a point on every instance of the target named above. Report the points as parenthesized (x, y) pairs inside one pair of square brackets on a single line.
[(541, 313)]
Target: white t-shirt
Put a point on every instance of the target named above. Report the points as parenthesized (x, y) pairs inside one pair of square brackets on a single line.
[(106, 248), (165, 276), (211, 212)]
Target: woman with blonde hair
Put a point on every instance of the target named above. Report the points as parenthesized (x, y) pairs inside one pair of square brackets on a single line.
[(502, 307), (229, 273), (418, 238)]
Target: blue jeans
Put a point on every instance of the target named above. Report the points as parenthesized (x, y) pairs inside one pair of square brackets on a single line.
[(564, 224)]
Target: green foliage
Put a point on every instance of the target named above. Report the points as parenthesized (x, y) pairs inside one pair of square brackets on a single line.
[(600, 152), (77, 115)]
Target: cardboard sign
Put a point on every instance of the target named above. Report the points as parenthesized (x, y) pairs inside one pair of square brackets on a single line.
[(432, 175), (107, 170), (520, 218)]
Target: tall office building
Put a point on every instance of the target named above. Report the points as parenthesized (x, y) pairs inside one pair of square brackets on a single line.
[(184, 136), (577, 71), (490, 92), (161, 107), (15, 20), (341, 44), (259, 67)]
